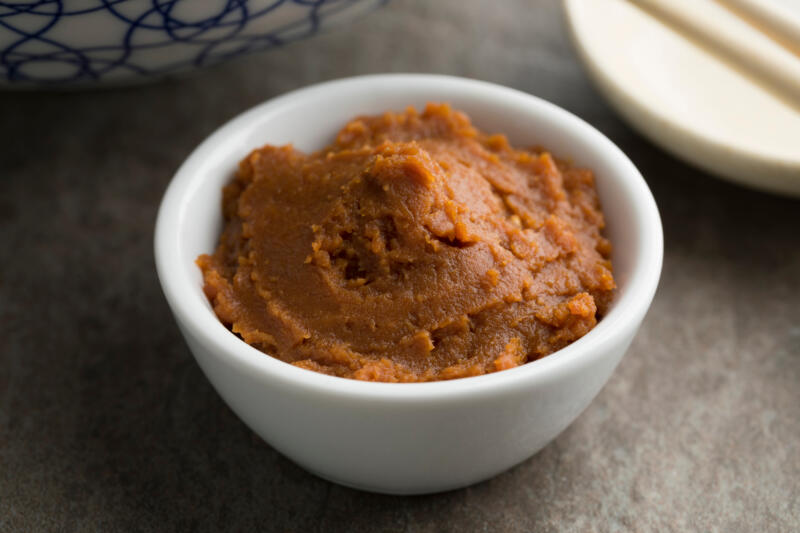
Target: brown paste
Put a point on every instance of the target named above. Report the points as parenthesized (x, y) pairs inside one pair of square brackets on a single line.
[(414, 248)]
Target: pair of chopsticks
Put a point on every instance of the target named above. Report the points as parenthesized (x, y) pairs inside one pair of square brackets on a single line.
[(760, 37)]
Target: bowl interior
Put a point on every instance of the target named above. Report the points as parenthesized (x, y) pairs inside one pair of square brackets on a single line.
[(190, 218)]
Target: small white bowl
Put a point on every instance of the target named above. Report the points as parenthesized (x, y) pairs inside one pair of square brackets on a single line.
[(420, 437)]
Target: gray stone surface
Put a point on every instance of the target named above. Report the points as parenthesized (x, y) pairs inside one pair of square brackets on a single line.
[(107, 424)]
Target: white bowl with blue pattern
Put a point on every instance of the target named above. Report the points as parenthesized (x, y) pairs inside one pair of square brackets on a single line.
[(62, 43)]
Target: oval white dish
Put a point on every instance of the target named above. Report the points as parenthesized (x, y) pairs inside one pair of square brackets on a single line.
[(685, 98)]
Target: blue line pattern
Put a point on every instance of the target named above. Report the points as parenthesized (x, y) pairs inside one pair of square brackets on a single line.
[(63, 42)]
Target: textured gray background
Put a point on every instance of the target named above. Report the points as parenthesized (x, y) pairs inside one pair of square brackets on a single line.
[(107, 424)]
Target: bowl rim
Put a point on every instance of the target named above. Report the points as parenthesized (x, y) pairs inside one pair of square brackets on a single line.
[(620, 323)]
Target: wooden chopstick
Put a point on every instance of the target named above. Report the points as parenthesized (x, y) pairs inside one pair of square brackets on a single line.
[(771, 18), (723, 33)]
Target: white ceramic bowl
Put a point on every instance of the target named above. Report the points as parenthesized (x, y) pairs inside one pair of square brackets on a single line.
[(405, 438)]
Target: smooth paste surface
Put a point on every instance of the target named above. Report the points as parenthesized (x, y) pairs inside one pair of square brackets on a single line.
[(414, 248)]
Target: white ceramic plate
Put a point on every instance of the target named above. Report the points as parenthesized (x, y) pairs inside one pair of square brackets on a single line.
[(686, 100)]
